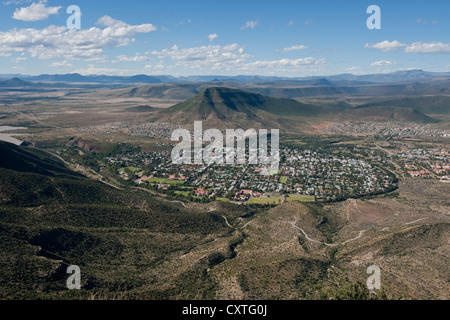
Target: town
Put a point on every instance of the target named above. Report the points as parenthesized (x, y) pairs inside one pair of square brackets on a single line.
[(304, 175)]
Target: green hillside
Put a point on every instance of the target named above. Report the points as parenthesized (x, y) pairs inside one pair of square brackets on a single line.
[(223, 101), (51, 218), (32, 160), (140, 109), (383, 113), (424, 104), (228, 108)]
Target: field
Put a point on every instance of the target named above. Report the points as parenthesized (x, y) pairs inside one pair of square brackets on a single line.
[(283, 179), (132, 169), (265, 200), (300, 197), (183, 193), (165, 181)]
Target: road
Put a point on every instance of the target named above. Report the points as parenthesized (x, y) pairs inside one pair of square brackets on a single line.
[(320, 242)]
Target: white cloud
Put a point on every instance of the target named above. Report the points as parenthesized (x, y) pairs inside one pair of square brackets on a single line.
[(16, 2), (125, 58), (421, 21), (308, 22), (430, 47), (117, 28), (353, 70), (92, 69), (232, 58), (290, 23), (22, 69), (383, 63), (285, 64), (294, 48), (182, 23), (19, 59), (62, 64), (211, 56), (35, 12), (56, 42), (250, 25), (386, 46), (415, 47), (212, 37)]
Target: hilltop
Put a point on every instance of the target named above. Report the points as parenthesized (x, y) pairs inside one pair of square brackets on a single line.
[(225, 107), (221, 107)]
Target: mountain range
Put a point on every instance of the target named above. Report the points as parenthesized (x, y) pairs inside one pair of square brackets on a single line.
[(221, 107), (340, 80)]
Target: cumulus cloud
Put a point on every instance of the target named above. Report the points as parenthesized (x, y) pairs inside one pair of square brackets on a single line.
[(135, 58), (232, 58), (415, 47), (285, 64), (294, 48), (212, 37), (353, 70), (386, 46), (250, 25), (92, 69), (61, 64), (56, 42), (16, 2), (35, 12), (428, 47), (211, 56), (117, 28), (383, 63)]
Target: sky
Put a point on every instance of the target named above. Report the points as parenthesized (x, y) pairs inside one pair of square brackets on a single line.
[(223, 37)]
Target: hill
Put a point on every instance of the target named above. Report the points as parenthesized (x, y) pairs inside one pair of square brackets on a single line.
[(222, 107), (383, 113), (31, 160), (51, 218), (426, 104), (140, 109), (15, 82)]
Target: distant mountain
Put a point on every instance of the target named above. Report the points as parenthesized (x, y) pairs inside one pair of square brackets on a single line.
[(225, 107), (438, 104), (334, 80), (386, 113), (179, 91), (78, 78), (398, 76), (15, 82), (140, 109), (221, 107)]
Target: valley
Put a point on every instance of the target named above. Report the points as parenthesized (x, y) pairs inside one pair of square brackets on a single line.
[(363, 180)]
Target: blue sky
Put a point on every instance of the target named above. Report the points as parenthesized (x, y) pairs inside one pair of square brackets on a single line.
[(197, 37)]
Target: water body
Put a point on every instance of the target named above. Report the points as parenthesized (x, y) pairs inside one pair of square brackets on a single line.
[(8, 137)]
